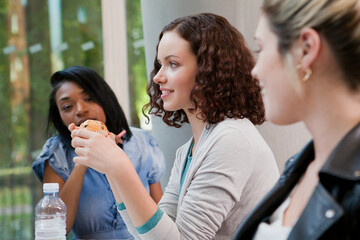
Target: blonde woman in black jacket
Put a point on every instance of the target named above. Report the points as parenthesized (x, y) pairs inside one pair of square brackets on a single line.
[(308, 64)]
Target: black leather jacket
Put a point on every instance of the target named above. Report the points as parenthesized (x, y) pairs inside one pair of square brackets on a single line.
[(333, 211)]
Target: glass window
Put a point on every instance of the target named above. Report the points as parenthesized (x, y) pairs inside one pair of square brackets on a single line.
[(38, 38), (136, 63)]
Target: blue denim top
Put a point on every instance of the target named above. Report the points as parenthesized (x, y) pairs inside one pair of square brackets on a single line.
[(97, 216)]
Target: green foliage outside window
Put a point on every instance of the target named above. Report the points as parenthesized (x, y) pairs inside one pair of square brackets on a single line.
[(25, 88), (136, 60)]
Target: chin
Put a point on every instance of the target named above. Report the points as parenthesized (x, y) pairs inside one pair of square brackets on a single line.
[(169, 108), (279, 119)]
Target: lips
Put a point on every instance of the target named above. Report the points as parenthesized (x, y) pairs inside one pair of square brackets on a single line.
[(83, 120), (263, 90), (165, 92)]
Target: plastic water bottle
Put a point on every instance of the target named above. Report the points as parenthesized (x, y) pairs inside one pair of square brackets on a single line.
[(50, 215)]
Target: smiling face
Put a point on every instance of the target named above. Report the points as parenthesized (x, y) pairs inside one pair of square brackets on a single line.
[(282, 89), (76, 106), (177, 74)]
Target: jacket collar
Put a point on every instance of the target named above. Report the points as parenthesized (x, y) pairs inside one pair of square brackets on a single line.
[(344, 161)]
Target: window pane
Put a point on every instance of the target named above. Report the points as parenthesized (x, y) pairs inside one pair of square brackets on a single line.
[(38, 38), (136, 63)]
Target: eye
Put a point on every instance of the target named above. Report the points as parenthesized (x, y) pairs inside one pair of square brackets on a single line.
[(89, 99), (66, 107), (173, 64), (257, 51)]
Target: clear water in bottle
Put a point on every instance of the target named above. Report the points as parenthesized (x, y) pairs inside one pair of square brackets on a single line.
[(50, 215)]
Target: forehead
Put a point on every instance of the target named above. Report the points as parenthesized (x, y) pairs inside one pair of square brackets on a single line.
[(66, 88), (172, 44), (263, 30)]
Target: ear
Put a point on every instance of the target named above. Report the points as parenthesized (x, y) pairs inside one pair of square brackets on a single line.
[(310, 44)]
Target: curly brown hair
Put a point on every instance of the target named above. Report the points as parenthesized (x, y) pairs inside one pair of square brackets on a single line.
[(224, 86)]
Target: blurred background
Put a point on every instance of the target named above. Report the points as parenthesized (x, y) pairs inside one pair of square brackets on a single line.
[(37, 38)]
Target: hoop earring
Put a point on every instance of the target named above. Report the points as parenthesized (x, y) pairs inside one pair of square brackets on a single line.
[(307, 75), (308, 72)]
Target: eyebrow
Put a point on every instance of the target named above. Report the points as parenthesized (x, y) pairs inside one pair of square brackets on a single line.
[(167, 57), (63, 99), (67, 98)]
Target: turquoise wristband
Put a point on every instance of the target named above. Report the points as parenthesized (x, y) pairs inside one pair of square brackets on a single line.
[(151, 223), (120, 206)]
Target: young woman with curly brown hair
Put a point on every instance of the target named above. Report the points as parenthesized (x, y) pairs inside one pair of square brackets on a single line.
[(202, 75)]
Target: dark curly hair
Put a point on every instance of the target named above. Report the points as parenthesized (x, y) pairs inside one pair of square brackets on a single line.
[(224, 86), (94, 85)]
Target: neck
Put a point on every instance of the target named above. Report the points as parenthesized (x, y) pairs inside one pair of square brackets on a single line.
[(197, 127), (331, 119)]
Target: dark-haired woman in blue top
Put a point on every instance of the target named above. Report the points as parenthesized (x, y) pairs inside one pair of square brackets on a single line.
[(78, 94)]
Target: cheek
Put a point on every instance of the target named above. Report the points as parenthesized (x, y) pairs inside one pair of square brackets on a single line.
[(67, 118), (100, 113)]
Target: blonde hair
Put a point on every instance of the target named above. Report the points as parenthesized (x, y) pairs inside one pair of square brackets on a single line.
[(337, 21)]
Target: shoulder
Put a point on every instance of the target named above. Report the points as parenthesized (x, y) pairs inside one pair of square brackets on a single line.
[(141, 137), (52, 145), (239, 125), (49, 147), (236, 140), (236, 131), (141, 146)]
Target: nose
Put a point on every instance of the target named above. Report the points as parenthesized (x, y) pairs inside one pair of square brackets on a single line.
[(81, 108), (159, 78)]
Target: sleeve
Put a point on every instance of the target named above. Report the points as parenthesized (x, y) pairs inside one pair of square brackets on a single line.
[(126, 218), (170, 232), (39, 162), (54, 152), (157, 159)]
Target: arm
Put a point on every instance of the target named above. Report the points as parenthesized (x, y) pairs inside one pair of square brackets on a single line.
[(156, 192), (69, 191), (102, 154)]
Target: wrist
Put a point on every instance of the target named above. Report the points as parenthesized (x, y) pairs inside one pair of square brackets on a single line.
[(118, 163), (80, 167)]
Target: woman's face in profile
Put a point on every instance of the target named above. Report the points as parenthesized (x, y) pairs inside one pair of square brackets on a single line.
[(177, 74), (279, 81)]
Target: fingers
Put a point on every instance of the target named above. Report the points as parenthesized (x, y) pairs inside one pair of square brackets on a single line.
[(122, 133), (83, 133), (72, 126), (119, 136), (77, 141), (80, 151)]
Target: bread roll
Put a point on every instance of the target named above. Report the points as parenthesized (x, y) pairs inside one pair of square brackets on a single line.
[(95, 126)]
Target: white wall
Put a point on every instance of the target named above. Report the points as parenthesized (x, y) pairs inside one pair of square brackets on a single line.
[(243, 14)]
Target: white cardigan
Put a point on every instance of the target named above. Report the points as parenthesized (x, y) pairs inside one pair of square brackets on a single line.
[(232, 168)]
